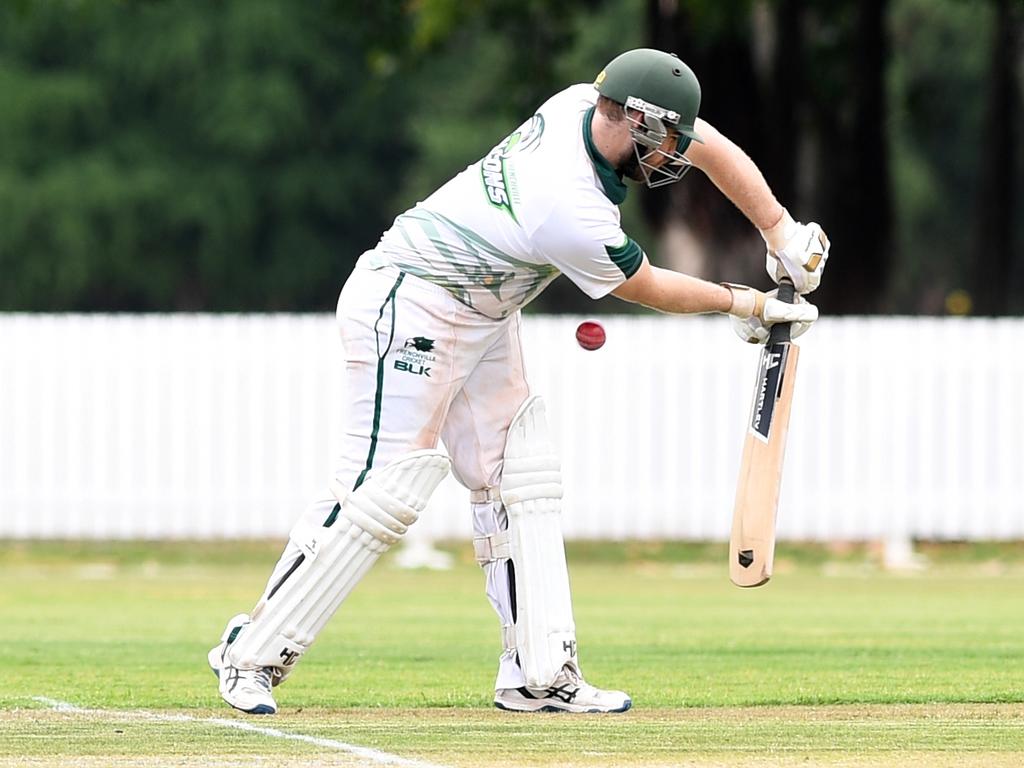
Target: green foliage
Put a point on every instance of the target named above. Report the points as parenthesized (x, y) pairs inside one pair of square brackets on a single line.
[(940, 56), (241, 154), (193, 155)]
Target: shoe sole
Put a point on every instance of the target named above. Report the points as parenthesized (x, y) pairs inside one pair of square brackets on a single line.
[(259, 709), (566, 710)]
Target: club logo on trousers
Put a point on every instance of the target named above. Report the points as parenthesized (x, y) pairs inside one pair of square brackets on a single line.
[(420, 344), (415, 356)]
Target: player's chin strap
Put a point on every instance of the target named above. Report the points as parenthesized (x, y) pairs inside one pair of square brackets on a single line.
[(543, 634), (335, 556)]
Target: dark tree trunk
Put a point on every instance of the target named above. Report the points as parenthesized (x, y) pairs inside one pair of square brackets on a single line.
[(855, 177), (784, 102), (994, 260), (668, 29), (731, 101)]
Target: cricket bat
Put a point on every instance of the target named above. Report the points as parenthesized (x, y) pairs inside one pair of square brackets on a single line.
[(752, 543)]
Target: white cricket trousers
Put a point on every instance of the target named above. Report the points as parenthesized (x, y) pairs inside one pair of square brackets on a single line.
[(419, 366)]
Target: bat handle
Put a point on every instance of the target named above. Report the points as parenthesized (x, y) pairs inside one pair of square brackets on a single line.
[(779, 332)]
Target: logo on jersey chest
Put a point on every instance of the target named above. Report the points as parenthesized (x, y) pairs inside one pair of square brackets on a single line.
[(415, 357), (499, 182), (492, 168)]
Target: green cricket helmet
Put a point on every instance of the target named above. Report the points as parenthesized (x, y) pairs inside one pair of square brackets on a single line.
[(665, 93)]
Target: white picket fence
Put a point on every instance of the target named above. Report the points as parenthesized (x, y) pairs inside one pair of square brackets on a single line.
[(199, 426)]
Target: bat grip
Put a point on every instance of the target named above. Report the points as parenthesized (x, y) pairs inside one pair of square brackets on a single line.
[(779, 332)]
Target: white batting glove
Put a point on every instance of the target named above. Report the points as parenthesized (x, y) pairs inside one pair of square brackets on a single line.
[(797, 251), (753, 313)]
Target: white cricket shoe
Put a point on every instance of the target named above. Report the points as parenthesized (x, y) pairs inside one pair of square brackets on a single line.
[(244, 689), (215, 659), (568, 693)]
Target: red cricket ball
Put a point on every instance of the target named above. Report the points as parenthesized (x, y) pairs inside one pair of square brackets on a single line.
[(590, 335)]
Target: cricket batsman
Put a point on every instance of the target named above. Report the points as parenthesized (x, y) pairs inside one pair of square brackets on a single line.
[(430, 323)]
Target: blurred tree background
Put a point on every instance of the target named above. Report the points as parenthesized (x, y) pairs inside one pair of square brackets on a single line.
[(239, 155)]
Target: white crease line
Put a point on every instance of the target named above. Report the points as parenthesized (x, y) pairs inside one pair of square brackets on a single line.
[(373, 755), (60, 706)]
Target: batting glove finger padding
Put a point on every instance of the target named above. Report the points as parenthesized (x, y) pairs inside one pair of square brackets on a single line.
[(797, 251), (764, 311)]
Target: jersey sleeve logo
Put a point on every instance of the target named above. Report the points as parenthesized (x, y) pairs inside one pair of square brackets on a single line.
[(499, 181)]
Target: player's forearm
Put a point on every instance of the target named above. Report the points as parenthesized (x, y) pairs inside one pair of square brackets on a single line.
[(736, 175), (669, 291)]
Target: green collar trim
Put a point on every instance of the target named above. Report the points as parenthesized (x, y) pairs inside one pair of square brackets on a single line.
[(614, 188)]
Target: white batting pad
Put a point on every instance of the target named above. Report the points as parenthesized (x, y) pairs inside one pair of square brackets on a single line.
[(334, 558), (531, 490)]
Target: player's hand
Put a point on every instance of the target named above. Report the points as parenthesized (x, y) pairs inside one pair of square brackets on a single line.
[(753, 313), (797, 251)]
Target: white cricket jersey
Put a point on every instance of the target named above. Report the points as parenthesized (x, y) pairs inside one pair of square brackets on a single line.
[(542, 202)]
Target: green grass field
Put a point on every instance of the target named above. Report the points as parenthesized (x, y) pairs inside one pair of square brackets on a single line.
[(835, 662)]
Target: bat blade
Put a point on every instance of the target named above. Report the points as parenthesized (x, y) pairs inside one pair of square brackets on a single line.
[(752, 543)]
